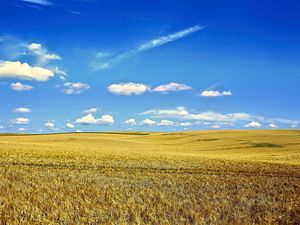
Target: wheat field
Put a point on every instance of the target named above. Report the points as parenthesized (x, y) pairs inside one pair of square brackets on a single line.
[(199, 177)]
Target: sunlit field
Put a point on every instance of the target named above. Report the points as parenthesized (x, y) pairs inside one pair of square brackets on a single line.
[(205, 177)]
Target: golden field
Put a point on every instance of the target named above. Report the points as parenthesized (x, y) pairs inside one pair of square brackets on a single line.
[(201, 177)]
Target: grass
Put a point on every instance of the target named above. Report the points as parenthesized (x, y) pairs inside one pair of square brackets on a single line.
[(208, 177)]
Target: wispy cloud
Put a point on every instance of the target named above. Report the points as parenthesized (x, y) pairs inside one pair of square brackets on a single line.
[(220, 119), (165, 88), (74, 88), (22, 110), (140, 88), (21, 87), (108, 62), (215, 93), (42, 53), (20, 120), (39, 2)]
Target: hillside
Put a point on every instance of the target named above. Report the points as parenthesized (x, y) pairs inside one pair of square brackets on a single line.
[(199, 177)]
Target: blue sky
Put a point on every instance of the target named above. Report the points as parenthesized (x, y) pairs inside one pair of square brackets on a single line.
[(93, 65)]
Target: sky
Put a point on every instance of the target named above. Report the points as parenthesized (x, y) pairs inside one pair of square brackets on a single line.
[(95, 65)]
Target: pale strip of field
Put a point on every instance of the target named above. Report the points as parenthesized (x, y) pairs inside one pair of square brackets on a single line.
[(199, 177)]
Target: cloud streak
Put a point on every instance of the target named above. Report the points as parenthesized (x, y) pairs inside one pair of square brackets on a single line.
[(140, 88), (39, 2), (215, 93), (108, 62)]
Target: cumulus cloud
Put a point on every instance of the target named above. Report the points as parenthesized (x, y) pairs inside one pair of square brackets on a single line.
[(273, 126), (253, 124), (91, 110), (131, 122), (74, 88), (89, 119), (21, 129), (21, 87), (215, 93), (69, 125), (115, 59), (21, 121), (166, 123), (128, 88), (171, 87), (148, 122), (22, 110), (23, 71), (42, 52), (49, 124)]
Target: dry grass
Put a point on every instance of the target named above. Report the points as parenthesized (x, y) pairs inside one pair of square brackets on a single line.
[(220, 177)]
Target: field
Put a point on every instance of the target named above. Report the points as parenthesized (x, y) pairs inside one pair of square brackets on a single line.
[(203, 177)]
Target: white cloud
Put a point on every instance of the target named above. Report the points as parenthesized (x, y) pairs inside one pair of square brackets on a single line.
[(215, 93), (169, 38), (39, 2), (42, 53), (128, 88), (108, 63), (21, 87), (69, 125), (172, 87), (253, 124), (90, 119), (78, 131), (23, 71), (184, 124), (74, 88), (102, 54), (216, 126), (62, 78), (183, 113), (57, 70), (214, 116), (273, 126), (178, 112), (20, 121), (131, 122), (21, 129), (50, 124), (283, 121), (1, 127), (148, 122), (166, 123), (22, 110), (91, 110), (210, 118)]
